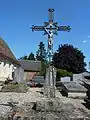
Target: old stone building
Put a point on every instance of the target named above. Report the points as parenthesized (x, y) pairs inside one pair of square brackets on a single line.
[(31, 68), (10, 68)]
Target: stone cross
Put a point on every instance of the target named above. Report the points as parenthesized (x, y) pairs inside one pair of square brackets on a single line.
[(50, 29)]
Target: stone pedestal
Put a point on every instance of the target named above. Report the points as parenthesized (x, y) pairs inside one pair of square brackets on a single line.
[(50, 80), (48, 105)]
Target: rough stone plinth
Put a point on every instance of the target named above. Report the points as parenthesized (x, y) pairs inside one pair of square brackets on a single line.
[(32, 106), (50, 105)]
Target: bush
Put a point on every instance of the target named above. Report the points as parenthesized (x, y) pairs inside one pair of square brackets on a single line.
[(19, 88), (62, 73)]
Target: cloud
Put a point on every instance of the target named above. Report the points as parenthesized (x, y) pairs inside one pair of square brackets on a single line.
[(84, 41), (88, 35)]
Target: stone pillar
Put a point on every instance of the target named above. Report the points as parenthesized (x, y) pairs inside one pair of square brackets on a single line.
[(19, 75), (50, 81), (16, 75)]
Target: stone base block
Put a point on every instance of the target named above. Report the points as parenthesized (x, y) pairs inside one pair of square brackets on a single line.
[(48, 105), (76, 95)]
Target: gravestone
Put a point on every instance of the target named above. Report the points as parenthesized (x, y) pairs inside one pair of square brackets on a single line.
[(74, 89), (65, 79), (19, 75), (87, 86), (78, 78)]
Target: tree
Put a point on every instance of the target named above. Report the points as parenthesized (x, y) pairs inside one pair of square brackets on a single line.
[(31, 56), (42, 56), (24, 58), (69, 58), (44, 65), (62, 73), (41, 53)]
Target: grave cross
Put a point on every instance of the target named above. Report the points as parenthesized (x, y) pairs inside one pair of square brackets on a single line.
[(50, 28)]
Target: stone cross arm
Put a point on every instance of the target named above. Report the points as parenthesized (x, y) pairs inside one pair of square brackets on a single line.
[(38, 28), (64, 28), (58, 28)]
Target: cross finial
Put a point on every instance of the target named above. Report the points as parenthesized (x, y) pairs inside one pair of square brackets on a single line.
[(51, 15)]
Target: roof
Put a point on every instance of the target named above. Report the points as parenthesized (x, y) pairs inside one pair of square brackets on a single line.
[(30, 65), (6, 53)]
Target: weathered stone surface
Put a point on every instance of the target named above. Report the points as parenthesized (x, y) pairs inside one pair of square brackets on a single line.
[(50, 82), (78, 77), (49, 91), (32, 106), (73, 89), (51, 105)]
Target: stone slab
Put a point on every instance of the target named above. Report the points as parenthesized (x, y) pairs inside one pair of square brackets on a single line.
[(74, 87), (48, 106), (76, 95)]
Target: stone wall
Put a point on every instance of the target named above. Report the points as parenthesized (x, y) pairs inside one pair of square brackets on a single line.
[(29, 75), (10, 72), (6, 71)]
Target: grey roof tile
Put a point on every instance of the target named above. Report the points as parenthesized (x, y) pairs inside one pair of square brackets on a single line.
[(30, 65)]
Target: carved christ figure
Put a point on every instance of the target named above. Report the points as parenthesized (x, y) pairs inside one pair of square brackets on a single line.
[(50, 39)]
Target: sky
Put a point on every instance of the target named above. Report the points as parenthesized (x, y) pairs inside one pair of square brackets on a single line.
[(17, 17)]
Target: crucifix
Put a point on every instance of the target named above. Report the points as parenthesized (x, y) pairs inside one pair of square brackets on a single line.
[(50, 29)]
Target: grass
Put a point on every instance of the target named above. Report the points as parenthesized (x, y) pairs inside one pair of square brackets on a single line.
[(11, 87)]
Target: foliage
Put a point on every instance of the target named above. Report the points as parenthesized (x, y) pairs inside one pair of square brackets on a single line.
[(31, 56), (62, 73), (41, 56), (24, 58), (41, 52), (44, 65), (12, 87), (69, 58)]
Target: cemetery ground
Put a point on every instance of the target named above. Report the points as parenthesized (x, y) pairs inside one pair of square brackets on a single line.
[(33, 105)]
